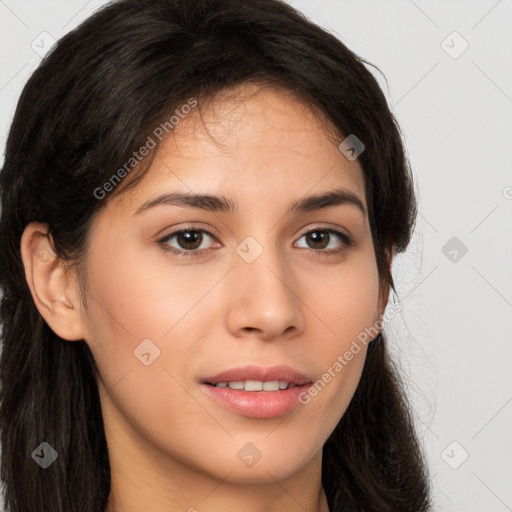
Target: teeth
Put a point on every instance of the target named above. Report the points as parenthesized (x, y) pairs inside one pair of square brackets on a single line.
[(254, 385), (272, 385), (236, 384)]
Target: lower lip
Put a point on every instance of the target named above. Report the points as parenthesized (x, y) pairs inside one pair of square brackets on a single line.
[(257, 404)]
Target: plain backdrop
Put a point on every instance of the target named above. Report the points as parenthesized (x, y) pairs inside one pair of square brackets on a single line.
[(448, 66)]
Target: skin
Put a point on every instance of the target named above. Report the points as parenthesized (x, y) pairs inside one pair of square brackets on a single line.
[(171, 448)]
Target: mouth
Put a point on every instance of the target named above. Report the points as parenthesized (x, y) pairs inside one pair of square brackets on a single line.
[(257, 392), (255, 385)]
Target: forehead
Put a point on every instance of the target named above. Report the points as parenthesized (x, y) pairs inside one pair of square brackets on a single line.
[(249, 139)]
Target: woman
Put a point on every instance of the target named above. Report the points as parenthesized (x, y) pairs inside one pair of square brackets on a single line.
[(200, 205)]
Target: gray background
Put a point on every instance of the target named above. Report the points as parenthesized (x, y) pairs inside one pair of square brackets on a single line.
[(453, 339)]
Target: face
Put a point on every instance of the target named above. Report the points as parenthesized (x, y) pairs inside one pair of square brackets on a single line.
[(179, 291)]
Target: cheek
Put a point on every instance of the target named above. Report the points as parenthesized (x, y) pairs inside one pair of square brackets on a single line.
[(347, 308), (344, 298), (139, 306), (132, 298)]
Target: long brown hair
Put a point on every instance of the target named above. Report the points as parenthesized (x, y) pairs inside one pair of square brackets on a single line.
[(94, 100)]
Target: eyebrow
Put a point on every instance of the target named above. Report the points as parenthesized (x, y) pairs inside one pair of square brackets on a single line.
[(213, 203)]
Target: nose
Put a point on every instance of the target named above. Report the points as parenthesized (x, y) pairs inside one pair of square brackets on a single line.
[(264, 298)]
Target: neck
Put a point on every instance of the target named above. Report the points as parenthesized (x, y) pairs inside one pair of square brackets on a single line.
[(321, 506)]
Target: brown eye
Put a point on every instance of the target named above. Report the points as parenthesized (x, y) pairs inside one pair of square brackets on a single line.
[(318, 239), (326, 241), (189, 239), (187, 242)]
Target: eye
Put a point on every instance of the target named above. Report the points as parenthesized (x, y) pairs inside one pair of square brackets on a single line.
[(320, 239), (190, 242)]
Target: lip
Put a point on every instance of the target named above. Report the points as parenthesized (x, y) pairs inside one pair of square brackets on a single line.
[(264, 374), (257, 404)]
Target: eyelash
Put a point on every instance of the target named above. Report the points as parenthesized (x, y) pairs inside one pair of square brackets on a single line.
[(347, 242)]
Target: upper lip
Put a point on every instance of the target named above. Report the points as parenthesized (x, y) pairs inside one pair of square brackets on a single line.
[(260, 373)]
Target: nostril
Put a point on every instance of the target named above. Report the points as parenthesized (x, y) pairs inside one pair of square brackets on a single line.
[(250, 329)]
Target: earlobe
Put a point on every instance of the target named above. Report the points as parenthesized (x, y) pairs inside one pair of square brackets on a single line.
[(53, 290)]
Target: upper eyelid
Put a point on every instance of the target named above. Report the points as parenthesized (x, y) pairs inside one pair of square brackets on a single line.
[(325, 228), (174, 233)]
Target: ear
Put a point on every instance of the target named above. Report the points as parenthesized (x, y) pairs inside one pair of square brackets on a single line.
[(54, 289), (385, 287)]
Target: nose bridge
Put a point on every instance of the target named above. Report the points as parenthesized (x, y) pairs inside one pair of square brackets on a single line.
[(264, 298)]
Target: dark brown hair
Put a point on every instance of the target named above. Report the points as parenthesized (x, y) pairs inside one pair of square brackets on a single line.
[(93, 101)]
